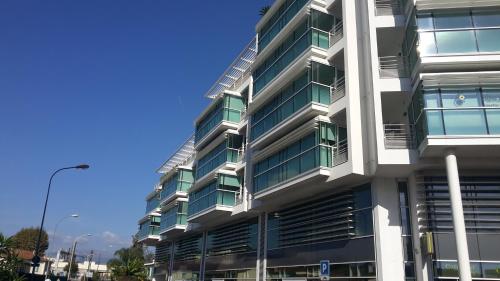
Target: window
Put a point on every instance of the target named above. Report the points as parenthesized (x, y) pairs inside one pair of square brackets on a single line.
[(456, 111), (458, 32)]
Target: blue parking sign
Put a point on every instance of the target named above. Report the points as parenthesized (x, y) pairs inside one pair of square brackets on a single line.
[(324, 270)]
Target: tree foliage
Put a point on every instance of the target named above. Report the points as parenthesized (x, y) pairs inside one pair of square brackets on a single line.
[(26, 239), (74, 268), (264, 10), (9, 262), (128, 265)]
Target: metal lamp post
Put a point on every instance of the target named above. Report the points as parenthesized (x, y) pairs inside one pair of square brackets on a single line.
[(36, 258), (54, 236), (73, 253)]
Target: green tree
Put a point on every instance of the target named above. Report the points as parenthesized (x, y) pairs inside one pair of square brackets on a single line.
[(9, 262), (74, 268), (264, 10), (26, 238), (128, 265)]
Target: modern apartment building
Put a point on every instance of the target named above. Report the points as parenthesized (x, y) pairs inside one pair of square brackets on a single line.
[(365, 133)]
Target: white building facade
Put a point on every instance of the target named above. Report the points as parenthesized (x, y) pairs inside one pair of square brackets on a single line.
[(361, 132)]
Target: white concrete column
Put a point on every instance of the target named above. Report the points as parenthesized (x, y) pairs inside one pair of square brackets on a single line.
[(458, 216), (420, 264), (387, 230)]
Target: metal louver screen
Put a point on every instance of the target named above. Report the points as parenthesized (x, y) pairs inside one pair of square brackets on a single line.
[(188, 248), (163, 252), (237, 238), (480, 199), (331, 218)]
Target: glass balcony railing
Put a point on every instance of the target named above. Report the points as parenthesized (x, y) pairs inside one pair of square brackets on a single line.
[(226, 152), (175, 216), (273, 27), (313, 37), (456, 111), (181, 181), (148, 229), (312, 92), (327, 147), (213, 198), (152, 204), (228, 109)]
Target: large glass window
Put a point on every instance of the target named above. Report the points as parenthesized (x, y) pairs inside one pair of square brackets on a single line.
[(152, 203), (228, 108), (312, 151), (311, 86), (223, 191), (456, 111), (459, 32), (278, 21), (226, 152), (182, 180), (308, 33), (174, 216)]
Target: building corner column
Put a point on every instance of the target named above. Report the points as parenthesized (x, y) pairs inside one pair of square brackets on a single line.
[(420, 260), (458, 215), (387, 230)]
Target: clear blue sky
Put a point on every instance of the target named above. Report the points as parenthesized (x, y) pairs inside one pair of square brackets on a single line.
[(116, 84)]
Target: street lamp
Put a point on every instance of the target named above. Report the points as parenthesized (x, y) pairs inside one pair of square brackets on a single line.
[(36, 257), (73, 253), (54, 235)]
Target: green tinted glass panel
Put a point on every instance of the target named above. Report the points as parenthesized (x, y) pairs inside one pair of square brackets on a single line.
[(488, 40), (464, 122), (456, 42)]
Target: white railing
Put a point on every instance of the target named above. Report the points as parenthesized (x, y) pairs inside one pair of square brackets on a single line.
[(338, 90), (393, 67), (388, 7), (340, 153), (399, 136), (336, 33)]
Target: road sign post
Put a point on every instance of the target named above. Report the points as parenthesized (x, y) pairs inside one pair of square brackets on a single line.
[(324, 270)]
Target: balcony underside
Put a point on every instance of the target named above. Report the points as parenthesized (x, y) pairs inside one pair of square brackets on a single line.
[(485, 146), (472, 62), (172, 232), (223, 126), (298, 118), (173, 197), (300, 187), (149, 240), (213, 213)]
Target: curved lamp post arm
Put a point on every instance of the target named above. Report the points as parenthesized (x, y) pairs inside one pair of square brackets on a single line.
[(36, 258)]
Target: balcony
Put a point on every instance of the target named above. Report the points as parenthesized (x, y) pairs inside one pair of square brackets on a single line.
[(174, 218), (456, 116), (307, 96), (399, 136), (278, 21), (214, 200), (336, 33), (149, 231), (388, 7), (393, 67), (153, 203), (224, 153), (226, 113), (320, 146), (285, 54), (176, 186)]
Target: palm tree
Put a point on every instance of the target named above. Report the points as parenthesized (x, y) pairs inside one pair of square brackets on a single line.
[(9, 262), (128, 265), (264, 10)]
